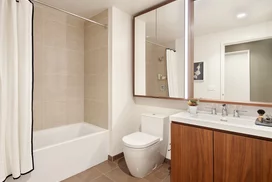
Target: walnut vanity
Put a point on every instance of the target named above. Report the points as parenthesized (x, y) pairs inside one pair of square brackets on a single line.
[(205, 149)]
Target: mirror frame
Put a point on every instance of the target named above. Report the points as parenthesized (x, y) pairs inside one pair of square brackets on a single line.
[(189, 52)]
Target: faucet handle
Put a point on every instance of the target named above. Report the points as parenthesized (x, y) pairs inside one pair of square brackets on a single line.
[(213, 110), (237, 113)]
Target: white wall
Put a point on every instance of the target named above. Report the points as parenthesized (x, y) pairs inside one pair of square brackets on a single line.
[(208, 49), (140, 57), (179, 44), (122, 105)]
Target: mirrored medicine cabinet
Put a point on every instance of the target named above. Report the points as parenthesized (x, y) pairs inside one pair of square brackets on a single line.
[(217, 51)]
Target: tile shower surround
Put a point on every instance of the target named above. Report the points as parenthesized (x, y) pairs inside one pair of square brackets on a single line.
[(96, 72), (70, 58), (58, 69), (154, 66)]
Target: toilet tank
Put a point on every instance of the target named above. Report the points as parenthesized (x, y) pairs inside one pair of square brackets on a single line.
[(155, 124)]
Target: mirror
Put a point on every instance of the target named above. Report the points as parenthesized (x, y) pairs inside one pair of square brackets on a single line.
[(233, 50), (159, 52)]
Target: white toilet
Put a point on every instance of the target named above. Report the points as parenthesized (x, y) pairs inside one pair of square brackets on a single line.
[(146, 150)]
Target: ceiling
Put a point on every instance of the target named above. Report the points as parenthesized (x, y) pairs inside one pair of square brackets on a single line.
[(89, 8), (210, 16)]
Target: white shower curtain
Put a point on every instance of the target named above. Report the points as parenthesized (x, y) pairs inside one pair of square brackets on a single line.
[(173, 72), (16, 88)]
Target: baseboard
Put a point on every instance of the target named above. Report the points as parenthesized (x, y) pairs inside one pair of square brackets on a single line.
[(116, 157), (121, 155)]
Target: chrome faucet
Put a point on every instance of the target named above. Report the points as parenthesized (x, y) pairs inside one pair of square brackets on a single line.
[(236, 113), (224, 110)]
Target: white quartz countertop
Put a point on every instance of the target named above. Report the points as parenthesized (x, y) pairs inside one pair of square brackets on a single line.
[(243, 125)]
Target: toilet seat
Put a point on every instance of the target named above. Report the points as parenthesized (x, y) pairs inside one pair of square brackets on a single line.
[(139, 140)]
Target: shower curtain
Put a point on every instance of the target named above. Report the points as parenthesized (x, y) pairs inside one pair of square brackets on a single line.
[(173, 72), (16, 88)]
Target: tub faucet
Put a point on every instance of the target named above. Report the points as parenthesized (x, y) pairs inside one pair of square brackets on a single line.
[(224, 110)]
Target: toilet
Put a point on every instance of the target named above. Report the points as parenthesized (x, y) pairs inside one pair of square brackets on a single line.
[(144, 151)]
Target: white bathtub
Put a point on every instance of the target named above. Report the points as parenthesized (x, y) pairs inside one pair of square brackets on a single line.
[(62, 152)]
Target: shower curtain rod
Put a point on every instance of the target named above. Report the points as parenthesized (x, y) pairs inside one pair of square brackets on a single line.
[(158, 45), (86, 19)]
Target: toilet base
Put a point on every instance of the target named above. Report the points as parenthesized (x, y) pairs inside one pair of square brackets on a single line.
[(141, 162)]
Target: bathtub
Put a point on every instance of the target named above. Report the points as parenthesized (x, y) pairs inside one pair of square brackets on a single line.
[(62, 152)]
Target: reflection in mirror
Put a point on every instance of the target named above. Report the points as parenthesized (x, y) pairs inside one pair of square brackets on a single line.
[(248, 69), (233, 57), (159, 52)]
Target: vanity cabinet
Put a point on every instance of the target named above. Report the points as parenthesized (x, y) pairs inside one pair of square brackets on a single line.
[(241, 158), (192, 154), (206, 155)]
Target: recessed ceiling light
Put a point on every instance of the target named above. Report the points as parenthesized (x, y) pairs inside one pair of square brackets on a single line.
[(241, 15)]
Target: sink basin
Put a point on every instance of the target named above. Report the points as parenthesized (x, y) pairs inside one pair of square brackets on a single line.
[(247, 121), (240, 121)]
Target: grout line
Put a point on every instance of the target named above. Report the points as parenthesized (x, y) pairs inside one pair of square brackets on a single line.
[(107, 171), (97, 177)]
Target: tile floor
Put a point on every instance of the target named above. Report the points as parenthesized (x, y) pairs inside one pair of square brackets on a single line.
[(117, 171)]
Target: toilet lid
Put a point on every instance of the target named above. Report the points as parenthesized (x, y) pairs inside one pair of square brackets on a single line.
[(140, 140)]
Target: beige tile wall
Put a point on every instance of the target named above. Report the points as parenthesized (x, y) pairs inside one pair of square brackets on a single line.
[(96, 72), (59, 69), (153, 68)]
